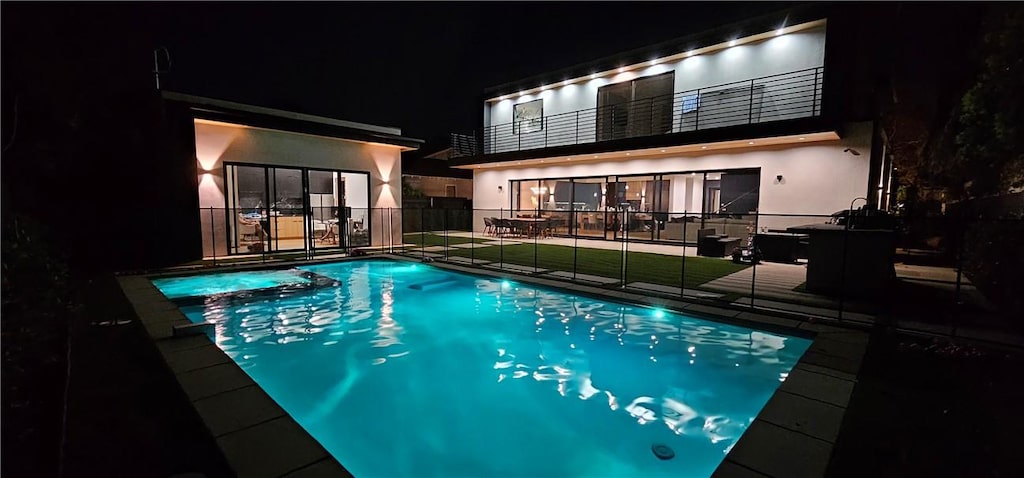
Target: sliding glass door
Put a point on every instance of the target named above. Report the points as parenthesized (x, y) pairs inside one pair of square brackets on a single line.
[(655, 207), (294, 209), (287, 215)]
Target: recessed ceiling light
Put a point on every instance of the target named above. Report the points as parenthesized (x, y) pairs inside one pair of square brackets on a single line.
[(778, 32), (542, 160), (504, 97), (627, 154), (595, 156), (802, 138), (566, 82), (703, 147), (593, 75), (689, 53), (732, 42), (654, 61), (663, 151), (521, 93), (751, 142), (622, 69), (544, 88)]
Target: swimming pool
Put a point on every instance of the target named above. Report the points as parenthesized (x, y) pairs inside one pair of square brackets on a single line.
[(403, 369)]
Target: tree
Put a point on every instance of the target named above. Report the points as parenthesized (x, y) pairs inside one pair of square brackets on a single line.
[(990, 140)]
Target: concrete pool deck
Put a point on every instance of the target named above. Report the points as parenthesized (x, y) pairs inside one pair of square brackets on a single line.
[(793, 436)]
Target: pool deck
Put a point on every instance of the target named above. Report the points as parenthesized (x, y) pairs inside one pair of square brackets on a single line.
[(793, 436)]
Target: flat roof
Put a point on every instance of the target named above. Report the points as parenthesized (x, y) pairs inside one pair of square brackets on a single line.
[(754, 26), (259, 116)]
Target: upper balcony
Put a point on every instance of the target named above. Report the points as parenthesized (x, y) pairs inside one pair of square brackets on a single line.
[(785, 96)]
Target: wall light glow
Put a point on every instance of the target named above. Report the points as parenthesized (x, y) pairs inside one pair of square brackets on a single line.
[(732, 42)]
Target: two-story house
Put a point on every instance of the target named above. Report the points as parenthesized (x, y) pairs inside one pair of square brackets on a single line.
[(737, 128)]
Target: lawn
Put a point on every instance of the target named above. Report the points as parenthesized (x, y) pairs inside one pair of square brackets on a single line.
[(640, 266), (431, 239)]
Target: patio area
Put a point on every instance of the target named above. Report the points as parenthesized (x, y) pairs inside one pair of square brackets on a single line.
[(659, 269)]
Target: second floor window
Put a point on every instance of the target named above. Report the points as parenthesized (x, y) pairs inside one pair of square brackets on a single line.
[(639, 107)]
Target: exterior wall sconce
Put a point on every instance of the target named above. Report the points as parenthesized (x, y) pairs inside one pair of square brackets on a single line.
[(778, 178)]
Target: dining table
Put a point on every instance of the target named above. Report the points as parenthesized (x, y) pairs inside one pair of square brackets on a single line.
[(531, 224)]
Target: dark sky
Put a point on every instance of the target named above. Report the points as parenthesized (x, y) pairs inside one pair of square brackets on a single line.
[(419, 66)]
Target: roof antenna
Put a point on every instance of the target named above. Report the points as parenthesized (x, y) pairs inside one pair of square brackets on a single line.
[(156, 63)]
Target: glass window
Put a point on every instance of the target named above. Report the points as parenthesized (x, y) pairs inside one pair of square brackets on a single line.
[(635, 108)]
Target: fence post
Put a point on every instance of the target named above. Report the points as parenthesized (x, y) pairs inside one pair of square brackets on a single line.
[(754, 260), (957, 302), (625, 248), (213, 238), (501, 243), (682, 271), (472, 239), (842, 269), (575, 243), (423, 239), (533, 226)]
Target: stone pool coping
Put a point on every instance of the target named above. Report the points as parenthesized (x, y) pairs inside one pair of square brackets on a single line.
[(792, 436)]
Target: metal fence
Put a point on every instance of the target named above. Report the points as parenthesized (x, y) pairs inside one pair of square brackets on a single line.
[(961, 285), (791, 95)]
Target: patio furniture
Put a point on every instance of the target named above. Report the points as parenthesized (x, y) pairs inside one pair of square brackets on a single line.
[(779, 247), (710, 244), (488, 226), (865, 270), (247, 232), (249, 229), (502, 227), (518, 227)]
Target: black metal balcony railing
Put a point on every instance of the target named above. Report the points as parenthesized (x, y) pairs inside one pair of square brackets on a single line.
[(779, 97)]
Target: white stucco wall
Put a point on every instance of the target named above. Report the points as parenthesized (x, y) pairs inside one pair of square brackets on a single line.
[(818, 178), (774, 56), (217, 143)]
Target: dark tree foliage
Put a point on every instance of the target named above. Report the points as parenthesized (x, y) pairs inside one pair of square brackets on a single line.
[(990, 138)]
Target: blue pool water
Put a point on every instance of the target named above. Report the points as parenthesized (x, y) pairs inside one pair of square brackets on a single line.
[(475, 377), (211, 284)]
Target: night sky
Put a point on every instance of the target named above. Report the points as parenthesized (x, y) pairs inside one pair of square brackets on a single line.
[(421, 67)]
